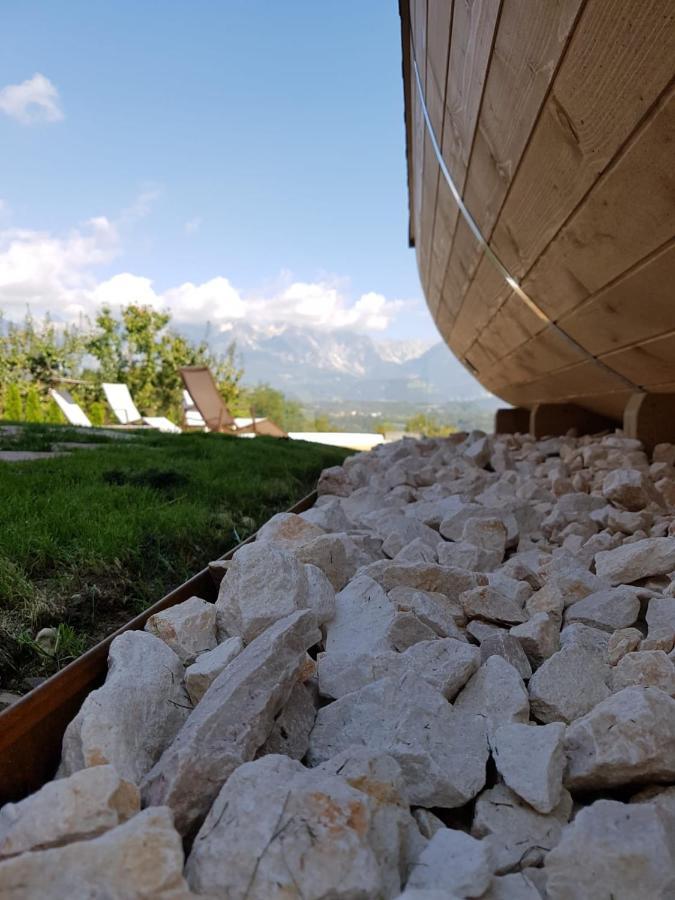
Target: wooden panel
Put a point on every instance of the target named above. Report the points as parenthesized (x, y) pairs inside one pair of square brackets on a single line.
[(545, 353), (439, 16), (439, 24), (473, 26), (585, 379), (514, 325), (646, 364), (616, 67), (638, 306), (629, 213), (528, 46), (486, 294)]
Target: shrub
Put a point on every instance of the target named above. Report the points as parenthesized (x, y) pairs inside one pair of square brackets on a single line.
[(13, 406)]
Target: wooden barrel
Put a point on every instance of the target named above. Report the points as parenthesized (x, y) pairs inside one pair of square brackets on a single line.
[(553, 279)]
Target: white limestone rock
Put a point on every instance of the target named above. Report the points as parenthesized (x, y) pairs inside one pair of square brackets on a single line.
[(363, 614), (406, 630), (583, 637), (489, 604), (480, 631), (442, 751), (497, 693), (456, 862), (660, 624), (417, 551), (460, 554), (531, 760), (520, 836), (632, 561), (427, 822), (452, 525), (82, 806), (628, 488), (427, 894), (313, 834), (135, 715), (489, 535), (293, 725), (263, 584), (539, 637), (607, 610), (327, 515), (629, 738), (439, 612), (613, 850), (508, 647), (516, 886), (336, 555), (142, 859), (232, 721), (288, 530), (518, 591), (334, 481), (400, 531), (448, 580), (446, 664), (207, 667), (189, 628), (622, 641), (568, 685), (645, 668), (320, 594)]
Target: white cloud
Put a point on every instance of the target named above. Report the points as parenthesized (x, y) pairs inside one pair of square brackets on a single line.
[(53, 274), (34, 100), (57, 275), (193, 225)]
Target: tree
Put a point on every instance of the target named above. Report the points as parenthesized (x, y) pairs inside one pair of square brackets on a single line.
[(13, 406), (267, 402), (33, 409), (428, 425)]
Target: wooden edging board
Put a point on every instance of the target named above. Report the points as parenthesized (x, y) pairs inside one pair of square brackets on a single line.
[(31, 730)]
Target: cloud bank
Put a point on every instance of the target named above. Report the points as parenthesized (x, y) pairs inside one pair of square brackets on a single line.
[(32, 101), (57, 275)]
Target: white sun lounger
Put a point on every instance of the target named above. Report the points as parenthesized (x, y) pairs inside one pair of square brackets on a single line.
[(70, 409), (125, 410)]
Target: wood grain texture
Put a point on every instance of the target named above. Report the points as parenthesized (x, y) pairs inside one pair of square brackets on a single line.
[(527, 49), (559, 127), (635, 307), (471, 36), (637, 192), (619, 61)]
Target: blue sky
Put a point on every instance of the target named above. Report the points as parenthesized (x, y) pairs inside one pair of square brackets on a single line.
[(235, 158)]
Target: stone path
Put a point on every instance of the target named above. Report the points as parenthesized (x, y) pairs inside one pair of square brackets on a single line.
[(452, 678)]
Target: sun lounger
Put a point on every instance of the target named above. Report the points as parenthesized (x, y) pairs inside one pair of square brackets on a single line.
[(203, 391), (70, 409), (122, 404)]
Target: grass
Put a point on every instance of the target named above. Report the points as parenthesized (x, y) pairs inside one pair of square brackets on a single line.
[(89, 539)]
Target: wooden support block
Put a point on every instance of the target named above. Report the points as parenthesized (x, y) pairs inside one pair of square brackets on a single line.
[(650, 418), (512, 421), (559, 418)]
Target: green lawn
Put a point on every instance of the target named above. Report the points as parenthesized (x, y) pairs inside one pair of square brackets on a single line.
[(89, 539)]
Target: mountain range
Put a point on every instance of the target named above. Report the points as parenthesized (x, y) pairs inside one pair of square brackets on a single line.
[(315, 366)]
